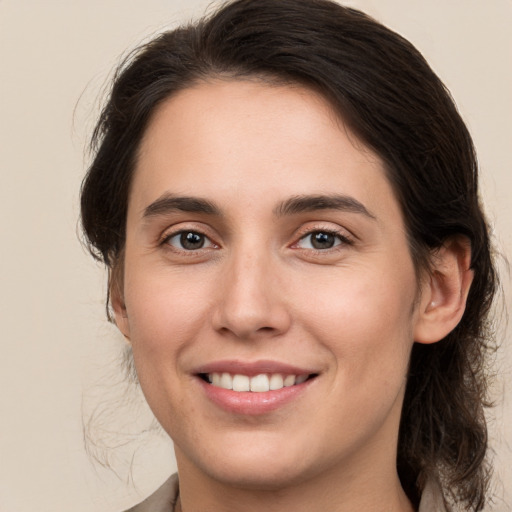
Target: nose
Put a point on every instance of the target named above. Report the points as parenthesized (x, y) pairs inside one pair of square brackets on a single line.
[(251, 300)]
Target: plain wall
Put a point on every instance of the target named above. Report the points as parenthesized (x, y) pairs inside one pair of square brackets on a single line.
[(58, 356)]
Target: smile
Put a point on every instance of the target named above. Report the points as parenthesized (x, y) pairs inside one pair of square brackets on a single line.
[(257, 384), (254, 387)]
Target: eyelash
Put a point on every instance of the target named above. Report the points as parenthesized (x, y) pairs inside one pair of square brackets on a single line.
[(205, 238), (340, 240)]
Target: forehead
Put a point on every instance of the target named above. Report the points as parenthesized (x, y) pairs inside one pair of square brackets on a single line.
[(231, 138)]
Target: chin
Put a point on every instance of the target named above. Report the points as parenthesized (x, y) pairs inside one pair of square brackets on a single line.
[(266, 476), (260, 465)]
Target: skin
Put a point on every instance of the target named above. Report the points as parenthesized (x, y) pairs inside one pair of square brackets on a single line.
[(258, 289)]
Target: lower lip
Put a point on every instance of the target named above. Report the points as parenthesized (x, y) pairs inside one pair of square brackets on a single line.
[(253, 403)]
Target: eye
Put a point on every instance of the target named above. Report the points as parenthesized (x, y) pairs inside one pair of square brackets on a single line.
[(321, 240), (189, 241)]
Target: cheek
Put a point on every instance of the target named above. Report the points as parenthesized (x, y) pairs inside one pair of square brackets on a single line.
[(164, 312), (365, 319)]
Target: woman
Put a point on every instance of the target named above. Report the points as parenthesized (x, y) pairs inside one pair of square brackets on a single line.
[(286, 199)]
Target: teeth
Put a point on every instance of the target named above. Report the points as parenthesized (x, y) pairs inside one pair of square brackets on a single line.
[(289, 380), (241, 383), (226, 381), (260, 383), (257, 384), (301, 378), (276, 381)]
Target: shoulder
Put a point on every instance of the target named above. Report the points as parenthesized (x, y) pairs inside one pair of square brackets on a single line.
[(162, 500)]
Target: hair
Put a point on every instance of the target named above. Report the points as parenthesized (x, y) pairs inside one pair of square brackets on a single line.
[(390, 98)]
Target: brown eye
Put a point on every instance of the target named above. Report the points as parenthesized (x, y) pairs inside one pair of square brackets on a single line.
[(321, 240), (189, 241)]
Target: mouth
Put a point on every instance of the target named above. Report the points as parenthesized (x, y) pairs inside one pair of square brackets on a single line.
[(260, 383), (254, 387)]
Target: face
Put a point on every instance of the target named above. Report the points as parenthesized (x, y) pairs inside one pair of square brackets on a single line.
[(265, 250)]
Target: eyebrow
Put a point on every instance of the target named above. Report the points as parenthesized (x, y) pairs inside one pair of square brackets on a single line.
[(310, 203), (169, 203)]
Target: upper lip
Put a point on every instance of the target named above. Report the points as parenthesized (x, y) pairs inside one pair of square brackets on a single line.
[(252, 368)]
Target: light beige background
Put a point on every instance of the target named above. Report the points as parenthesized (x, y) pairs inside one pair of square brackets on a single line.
[(55, 344)]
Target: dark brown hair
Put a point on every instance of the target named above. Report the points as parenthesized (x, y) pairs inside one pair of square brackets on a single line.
[(390, 98)]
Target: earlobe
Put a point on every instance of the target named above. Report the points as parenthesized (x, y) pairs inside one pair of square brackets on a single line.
[(121, 317), (445, 290), (118, 304)]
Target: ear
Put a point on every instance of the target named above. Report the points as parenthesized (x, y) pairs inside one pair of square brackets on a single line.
[(116, 291), (444, 291)]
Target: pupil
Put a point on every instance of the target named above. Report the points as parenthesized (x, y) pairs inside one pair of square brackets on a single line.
[(323, 240), (192, 240)]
